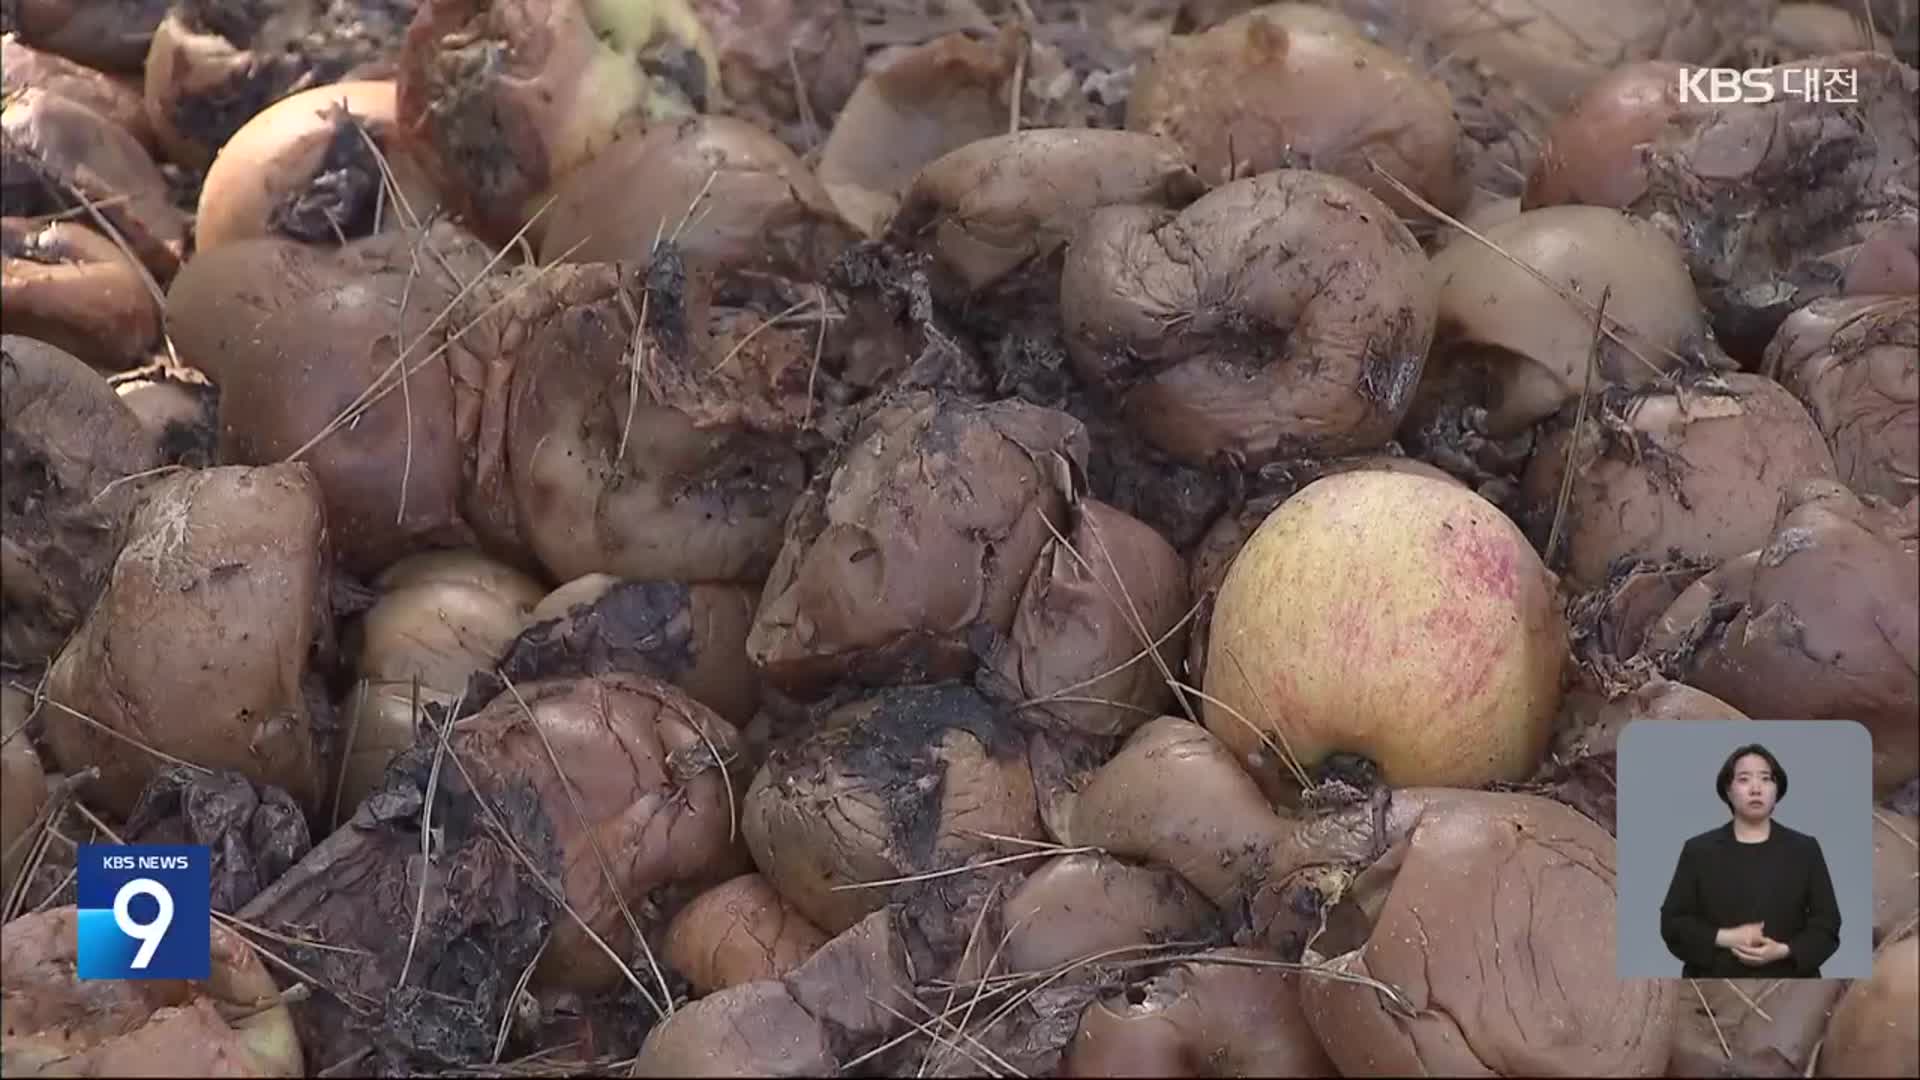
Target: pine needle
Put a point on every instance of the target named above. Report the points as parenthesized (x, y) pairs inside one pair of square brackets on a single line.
[(953, 871), (1579, 427)]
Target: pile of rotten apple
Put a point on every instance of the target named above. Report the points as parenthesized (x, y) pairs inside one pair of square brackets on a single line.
[(772, 537)]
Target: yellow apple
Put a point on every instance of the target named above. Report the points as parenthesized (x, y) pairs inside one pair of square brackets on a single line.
[(1393, 616)]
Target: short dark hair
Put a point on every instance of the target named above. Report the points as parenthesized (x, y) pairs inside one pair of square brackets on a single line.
[(1725, 779)]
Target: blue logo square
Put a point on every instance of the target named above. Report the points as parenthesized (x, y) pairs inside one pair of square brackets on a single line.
[(146, 911)]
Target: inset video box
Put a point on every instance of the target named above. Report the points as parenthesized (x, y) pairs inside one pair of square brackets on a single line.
[(1745, 850)]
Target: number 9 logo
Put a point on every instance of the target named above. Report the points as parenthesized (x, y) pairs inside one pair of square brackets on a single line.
[(148, 934)]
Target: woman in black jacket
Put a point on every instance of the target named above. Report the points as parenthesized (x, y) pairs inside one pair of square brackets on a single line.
[(1751, 899)]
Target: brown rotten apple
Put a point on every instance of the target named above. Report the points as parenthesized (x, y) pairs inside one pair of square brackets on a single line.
[(907, 111), (230, 1025), (306, 168), (1227, 1012), (638, 423), (738, 931), (62, 156), (1871, 1033), (1288, 313), (1822, 622), (1776, 204), (729, 195), (503, 98), (693, 636), (70, 286), (1690, 473), (564, 816), (921, 531), (1103, 599), (178, 405), (906, 781), (1896, 868), (1554, 49), (23, 785), (1509, 337), (200, 644), (999, 205), (111, 35), (214, 64), (115, 97), (1821, 29), (297, 335), (787, 66), (1500, 121), (646, 766), (1851, 361), (1079, 906), (1769, 1028), (1582, 769), (1175, 796), (1593, 151), (440, 618), (1081, 921), (1300, 87), (74, 462), (1485, 898), (843, 1002)]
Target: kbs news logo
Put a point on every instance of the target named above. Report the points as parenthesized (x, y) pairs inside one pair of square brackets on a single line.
[(145, 911), (1758, 86)]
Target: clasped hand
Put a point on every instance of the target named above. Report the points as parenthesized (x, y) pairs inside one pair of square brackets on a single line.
[(1751, 946)]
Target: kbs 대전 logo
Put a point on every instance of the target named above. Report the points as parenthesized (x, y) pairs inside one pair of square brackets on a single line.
[(145, 911), (1758, 86)]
